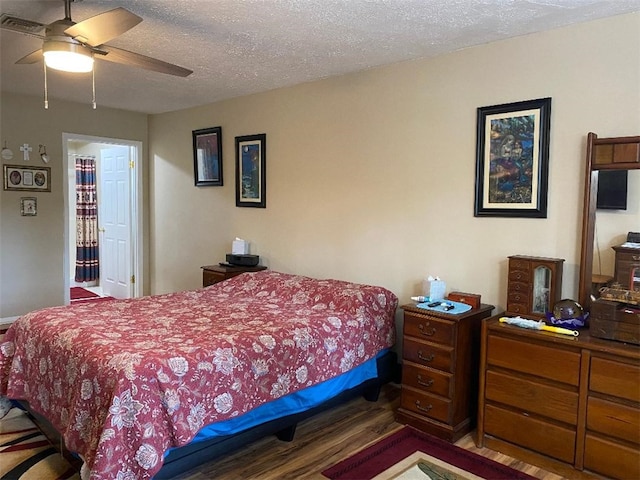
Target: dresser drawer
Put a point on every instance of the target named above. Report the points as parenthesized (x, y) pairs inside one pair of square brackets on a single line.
[(519, 264), (518, 297), (532, 397), (610, 458), (429, 328), (521, 287), (628, 257), (210, 278), (424, 404), (547, 362), (613, 419), (519, 308), (426, 379), (519, 276), (428, 355), (547, 438), (615, 378)]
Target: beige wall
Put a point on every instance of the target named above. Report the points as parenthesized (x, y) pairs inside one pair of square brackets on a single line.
[(31, 248), (370, 176)]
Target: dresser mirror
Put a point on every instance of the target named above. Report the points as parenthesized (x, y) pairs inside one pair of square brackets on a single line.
[(602, 229)]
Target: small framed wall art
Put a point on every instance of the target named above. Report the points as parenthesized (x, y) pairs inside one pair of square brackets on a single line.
[(207, 157), (28, 206), (251, 185), (17, 177), (512, 159)]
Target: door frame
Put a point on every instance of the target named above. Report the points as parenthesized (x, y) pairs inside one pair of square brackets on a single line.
[(136, 195)]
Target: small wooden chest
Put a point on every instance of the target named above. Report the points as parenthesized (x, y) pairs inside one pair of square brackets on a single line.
[(615, 321), (472, 299)]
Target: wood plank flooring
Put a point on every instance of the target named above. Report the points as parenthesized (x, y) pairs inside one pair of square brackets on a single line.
[(324, 440)]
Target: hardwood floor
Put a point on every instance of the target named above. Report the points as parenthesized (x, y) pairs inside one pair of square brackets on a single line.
[(326, 439)]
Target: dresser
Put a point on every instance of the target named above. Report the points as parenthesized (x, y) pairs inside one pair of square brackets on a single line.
[(440, 370), (217, 273), (568, 404)]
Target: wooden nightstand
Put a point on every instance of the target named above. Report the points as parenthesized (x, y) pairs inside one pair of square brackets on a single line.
[(440, 370), (217, 273)]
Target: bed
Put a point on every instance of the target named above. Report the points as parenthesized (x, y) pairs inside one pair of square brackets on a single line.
[(133, 384)]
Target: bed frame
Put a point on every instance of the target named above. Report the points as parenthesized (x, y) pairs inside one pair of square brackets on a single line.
[(191, 455)]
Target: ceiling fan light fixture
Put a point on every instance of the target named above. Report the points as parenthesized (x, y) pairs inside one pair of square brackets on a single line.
[(68, 57)]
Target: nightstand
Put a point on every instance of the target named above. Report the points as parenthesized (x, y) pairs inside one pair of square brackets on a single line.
[(217, 273), (440, 354)]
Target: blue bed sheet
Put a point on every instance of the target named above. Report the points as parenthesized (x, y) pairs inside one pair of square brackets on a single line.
[(293, 403)]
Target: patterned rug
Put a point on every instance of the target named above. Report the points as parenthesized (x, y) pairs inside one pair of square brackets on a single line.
[(26, 454), (79, 293), (410, 454)]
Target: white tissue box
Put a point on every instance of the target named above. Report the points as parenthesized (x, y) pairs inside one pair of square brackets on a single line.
[(240, 247), (436, 290)]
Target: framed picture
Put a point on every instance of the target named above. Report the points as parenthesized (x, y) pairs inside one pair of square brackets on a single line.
[(18, 177), (512, 159), (28, 206), (251, 185), (207, 157)]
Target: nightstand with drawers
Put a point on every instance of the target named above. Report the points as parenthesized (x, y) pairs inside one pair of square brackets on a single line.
[(217, 273), (440, 370)]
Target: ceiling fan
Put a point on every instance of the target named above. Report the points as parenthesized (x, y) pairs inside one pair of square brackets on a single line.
[(86, 41)]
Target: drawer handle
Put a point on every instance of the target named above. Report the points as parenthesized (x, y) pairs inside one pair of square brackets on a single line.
[(424, 409), (429, 332), (635, 257), (428, 358), (427, 384)]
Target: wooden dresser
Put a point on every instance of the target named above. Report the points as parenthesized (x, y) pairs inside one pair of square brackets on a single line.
[(627, 267), (568, 404), (439, 370), (217, 273)]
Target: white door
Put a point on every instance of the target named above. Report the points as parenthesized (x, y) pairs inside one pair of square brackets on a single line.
[(114, 221)]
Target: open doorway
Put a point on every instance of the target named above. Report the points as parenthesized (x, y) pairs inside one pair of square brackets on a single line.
[(119, 205)]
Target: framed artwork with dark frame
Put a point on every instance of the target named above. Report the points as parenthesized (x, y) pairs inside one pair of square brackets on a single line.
[(251, 185), (512, 159), (207, 157), (36, 179)]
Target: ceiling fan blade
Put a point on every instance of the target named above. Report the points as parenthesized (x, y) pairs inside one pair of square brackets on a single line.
[(118, 55), (20, 25), (103, 27), (33, 57)]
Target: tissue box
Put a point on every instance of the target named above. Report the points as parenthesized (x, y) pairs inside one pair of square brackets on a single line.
[(436, 290), (240, 247)]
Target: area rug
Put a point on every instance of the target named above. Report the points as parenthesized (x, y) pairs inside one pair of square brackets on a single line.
[(79, 293), (26, 454), (92, 300), (410, 454)]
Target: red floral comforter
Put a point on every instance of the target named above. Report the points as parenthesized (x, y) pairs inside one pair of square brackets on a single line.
[(125, 380)]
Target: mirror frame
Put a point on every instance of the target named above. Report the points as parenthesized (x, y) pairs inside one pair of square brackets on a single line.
[(616, 153)]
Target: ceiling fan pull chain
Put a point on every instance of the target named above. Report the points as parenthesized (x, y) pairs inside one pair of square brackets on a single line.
[(46, 93), (93, 86)]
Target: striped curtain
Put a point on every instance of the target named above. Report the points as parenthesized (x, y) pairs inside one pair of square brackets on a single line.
[(87, 262)]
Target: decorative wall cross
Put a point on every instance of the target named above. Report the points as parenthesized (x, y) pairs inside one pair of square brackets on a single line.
[(25, 149)]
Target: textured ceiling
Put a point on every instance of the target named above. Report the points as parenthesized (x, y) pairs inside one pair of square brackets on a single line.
[(239, 47)]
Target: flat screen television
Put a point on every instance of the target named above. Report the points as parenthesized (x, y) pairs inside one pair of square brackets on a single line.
[(612, 190)]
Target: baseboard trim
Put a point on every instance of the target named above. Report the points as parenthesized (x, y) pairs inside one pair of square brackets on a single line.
[(6, 323)]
